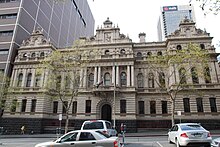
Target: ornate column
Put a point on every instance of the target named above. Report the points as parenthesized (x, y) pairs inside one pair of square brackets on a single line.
[(33, 77), (132, 75), (99, 74), (95, 75), (24, 78), (81, 78), (113, 74), (14, 77), (128, 76), (84, 77), (117, 75)]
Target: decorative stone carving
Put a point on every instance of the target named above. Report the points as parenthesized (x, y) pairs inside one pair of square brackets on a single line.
[(37, 38)]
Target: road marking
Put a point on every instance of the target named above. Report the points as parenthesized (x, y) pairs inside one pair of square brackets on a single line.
[(159, 144)]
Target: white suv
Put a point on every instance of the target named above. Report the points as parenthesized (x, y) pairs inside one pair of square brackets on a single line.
[(101, 125)]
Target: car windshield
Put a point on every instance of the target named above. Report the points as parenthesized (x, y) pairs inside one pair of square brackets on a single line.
[(103, 134), (191, 127), (93, 125)]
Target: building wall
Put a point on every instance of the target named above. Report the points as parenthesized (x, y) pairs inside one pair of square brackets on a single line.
[(116, 53)]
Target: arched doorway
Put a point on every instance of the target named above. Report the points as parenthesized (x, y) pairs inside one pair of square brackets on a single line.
[(106, 112)]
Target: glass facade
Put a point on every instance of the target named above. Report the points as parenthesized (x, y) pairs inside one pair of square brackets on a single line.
[(62, 23)]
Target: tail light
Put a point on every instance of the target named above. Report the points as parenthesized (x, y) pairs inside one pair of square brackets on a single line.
[(184, 135), (116, 143), (209, 134), (105, 132)]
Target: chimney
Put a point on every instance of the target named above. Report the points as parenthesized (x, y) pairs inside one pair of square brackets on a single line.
[(142, 37)]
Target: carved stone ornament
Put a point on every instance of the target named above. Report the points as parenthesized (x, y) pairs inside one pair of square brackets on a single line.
[(37, 38)]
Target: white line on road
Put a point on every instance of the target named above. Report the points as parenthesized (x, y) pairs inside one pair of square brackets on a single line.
[(159, 144)]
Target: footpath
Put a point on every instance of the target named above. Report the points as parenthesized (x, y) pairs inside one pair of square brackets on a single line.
[(146, 133)]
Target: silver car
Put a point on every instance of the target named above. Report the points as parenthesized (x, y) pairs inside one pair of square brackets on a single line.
[(216, 142), (83, 138), (185, 134)]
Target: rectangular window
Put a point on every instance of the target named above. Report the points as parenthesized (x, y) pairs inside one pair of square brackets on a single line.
[(186, 104), (8, 16), (65, 105), (122, 106), (6, 33), (141, 107), (55, 106), (152, 107), (4, 52), (199, 104), (164, 107), (74, 109), (33, 105), (88, 106), (212, 102), (23, 105)]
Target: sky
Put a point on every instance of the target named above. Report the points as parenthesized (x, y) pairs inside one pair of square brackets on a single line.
[(138, 16)]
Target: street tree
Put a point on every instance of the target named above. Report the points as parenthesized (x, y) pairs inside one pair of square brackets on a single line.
[(65, 75), (175, 67)]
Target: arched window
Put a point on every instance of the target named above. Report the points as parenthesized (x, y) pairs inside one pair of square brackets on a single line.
[(178, 47), (159, 53), (151, 80), (58, 82), (162, 79), (107, 52), (91, 80), (182, 76), (25, 55), (32, 55), (122, 51), (140, 80), (20, 78), (149, 54), (194, 74), (42, 54), (139, 55), (207, 75), (37, 80), (123, 79), (202, 46), (28, 83), (107, 79)]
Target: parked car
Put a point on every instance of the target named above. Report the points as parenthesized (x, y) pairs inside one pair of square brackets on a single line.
[(185, 134), (101, 125), (83, 138), (216, 142)]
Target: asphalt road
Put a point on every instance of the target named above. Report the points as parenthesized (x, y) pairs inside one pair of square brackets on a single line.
[(156, 141)]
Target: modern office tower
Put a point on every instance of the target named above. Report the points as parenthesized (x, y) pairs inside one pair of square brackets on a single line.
[(61, 22), (170, 18)]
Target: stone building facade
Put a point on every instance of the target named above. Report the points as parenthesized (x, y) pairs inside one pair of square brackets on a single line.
[(135, 99)]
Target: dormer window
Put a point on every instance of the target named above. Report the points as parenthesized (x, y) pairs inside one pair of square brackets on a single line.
[(178, 47), (149, 54), (107, 52), (159, 53)]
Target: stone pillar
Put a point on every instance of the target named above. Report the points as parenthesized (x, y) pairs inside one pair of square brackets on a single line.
[(42, 78), (84, 77), (81, 78), (213, 72), (128, 76), (99, 74), (132, 75), (45, 77), (33, 77), (24, 78), (113, 74), (217, 71), (117, 75), (13, 78), (95, 75)]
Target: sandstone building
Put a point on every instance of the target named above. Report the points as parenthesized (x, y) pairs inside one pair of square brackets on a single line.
[(138, 101)]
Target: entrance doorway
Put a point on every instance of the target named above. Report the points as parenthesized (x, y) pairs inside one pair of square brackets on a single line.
[(106, 112)]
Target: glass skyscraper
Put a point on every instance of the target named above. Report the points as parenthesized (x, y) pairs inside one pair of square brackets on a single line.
[(62, 23), (170, 18)]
